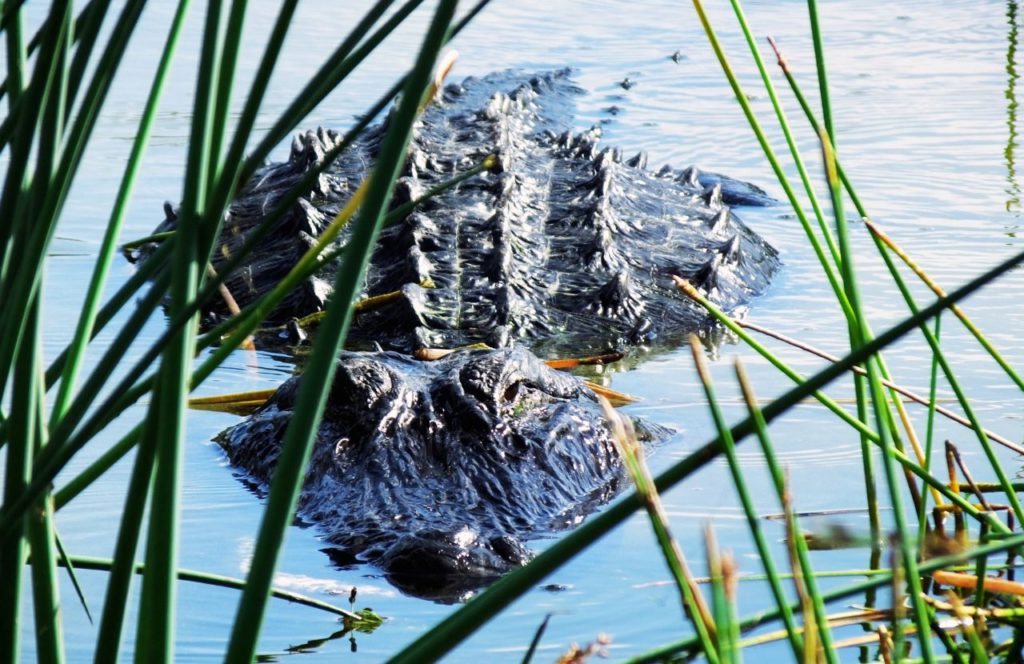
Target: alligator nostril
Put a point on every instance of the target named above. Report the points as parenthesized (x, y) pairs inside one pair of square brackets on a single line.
[(511, 392)]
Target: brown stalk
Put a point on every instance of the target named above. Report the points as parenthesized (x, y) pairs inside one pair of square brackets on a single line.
[(812, 646), (952, 449)]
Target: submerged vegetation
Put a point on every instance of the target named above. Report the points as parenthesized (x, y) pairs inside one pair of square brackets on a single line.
[(940, 585)]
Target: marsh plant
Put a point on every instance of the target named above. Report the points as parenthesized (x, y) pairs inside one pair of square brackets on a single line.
[(948, 596)]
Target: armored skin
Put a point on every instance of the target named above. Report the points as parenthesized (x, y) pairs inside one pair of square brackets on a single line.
[(438, 473)]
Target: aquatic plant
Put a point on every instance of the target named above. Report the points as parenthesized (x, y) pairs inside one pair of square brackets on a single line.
[(59, 73)]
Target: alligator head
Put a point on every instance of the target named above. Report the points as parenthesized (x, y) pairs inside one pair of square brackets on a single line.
[(438, 472)]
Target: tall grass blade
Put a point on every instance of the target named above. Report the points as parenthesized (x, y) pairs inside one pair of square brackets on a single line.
[(154, 640), (803, 573), (39, 525), (87, 319), (13, 548), (65, 561), (691, 598), (790, 141), (108, 638), (859, 334), (933, 387), (535, 641), (311, 397), (21, 193), (819, 59), (41, 533), (723, 586)]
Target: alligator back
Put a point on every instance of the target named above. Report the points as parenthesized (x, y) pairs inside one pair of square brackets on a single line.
[(567, 246)]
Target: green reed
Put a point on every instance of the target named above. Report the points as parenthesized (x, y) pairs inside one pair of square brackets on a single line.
[(705, 623), (870, 395), (746, 500)]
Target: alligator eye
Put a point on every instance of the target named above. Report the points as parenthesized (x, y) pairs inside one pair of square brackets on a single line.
[(511, 393)]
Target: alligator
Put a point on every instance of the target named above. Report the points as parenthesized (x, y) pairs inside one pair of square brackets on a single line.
[(437, 473), (569, 247)]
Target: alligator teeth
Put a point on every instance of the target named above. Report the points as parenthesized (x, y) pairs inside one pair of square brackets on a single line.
[(604, 181), (418, 265), (601, 216), (603, 160), (298, 147), (296, 335), (306, 218), (326, 137), (730, 250), (720, 221), (602, 251), (709, 275), (407, 189), (453, 90), (617, 298)]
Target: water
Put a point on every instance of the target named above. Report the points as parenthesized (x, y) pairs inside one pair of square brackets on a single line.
[(925, 110)]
